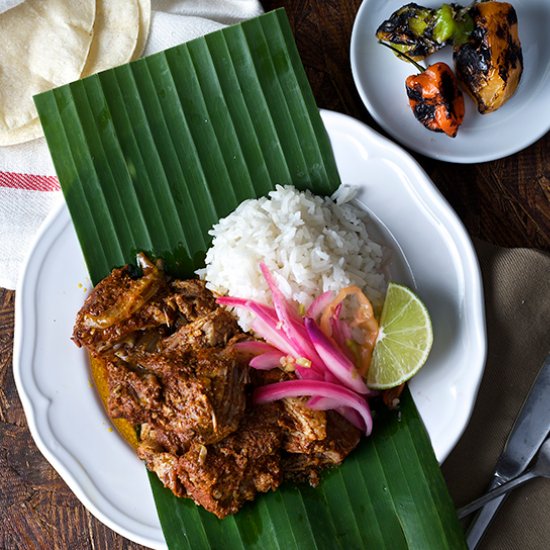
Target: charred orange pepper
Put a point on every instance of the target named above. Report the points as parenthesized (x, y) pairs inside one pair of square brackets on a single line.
[(436, 100)]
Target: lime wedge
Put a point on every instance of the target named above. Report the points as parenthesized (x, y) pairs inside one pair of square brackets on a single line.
[(404, 340)]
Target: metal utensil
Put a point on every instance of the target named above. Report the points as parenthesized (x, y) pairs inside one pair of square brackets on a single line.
[(530, 429), (541, 468)]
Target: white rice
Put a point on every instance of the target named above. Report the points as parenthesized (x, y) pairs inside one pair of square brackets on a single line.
[(310, 243)]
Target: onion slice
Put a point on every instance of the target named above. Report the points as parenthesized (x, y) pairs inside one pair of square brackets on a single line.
[(319, 353), (231, 301), (325, 404), (267, 361), (273, 336), (342, 397), (319, 304), (265, 325), (291, 322), (254, 347), (334, 359)]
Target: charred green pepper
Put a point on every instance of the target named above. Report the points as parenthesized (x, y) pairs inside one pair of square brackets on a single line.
[(419, 32)]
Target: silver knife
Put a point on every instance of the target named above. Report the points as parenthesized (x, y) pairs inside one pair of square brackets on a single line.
[(530, 430)]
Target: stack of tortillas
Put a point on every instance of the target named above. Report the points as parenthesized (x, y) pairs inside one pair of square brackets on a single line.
[(47, 43)]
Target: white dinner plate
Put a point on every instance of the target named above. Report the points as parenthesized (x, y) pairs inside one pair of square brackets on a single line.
[(431, 252), (380, 78)]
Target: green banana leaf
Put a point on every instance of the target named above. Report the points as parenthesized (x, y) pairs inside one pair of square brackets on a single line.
[(149, 156)]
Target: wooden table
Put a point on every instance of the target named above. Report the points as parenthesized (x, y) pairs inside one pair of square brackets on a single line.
[(506, 202)]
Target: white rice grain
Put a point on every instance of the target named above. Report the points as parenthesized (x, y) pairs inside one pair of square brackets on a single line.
[(310, 243)]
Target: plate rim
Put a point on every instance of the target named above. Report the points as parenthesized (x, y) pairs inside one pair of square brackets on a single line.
[(459, 234), (45, 235), (50, 230), (514, 147)]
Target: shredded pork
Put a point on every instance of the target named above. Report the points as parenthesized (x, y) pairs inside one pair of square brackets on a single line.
[(173, 373)]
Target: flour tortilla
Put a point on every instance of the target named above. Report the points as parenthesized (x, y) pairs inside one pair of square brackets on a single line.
[(144, 26), (31, 130), (116, 33), (44, 45)]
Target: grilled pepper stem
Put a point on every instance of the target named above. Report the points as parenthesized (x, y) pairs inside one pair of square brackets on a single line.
[(419, 31)]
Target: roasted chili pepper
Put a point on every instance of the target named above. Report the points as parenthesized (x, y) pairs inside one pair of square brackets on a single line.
[(487, 50), (436, 100), (434, 96), (419, 32), (490, 63)]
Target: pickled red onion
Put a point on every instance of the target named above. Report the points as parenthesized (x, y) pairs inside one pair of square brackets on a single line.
[(342, 397)]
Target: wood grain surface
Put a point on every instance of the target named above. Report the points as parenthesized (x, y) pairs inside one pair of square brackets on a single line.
[(506, 202)]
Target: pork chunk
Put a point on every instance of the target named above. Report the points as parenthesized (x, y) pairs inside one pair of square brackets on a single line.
[(222, 477), (213, 329), (184, 397), (305, 458), (173, 374), (121, 306)]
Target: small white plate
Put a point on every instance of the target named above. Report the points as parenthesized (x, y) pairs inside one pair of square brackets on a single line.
[(380, 78), (431, 252)]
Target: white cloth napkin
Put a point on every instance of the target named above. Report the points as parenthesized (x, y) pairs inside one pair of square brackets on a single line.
[(28, 187)]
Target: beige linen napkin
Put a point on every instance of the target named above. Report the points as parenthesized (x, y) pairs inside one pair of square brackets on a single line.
[(517, 299)]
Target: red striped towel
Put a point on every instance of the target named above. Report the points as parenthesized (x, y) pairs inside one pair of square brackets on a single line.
[(25, 201), (28, 182)]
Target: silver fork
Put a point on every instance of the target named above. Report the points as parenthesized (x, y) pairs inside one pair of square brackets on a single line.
[(530, 429), (541, 468)]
